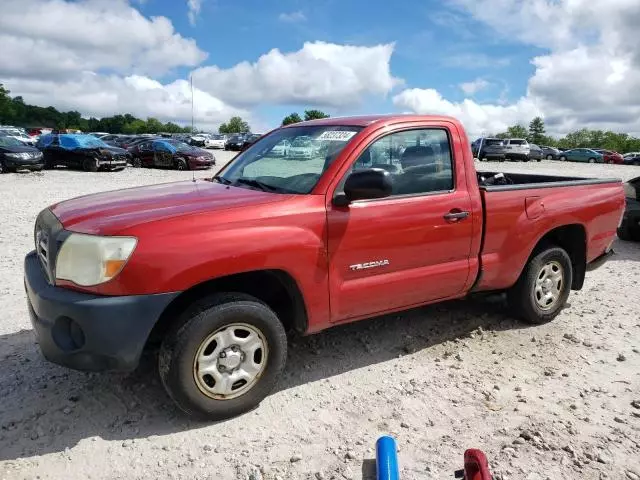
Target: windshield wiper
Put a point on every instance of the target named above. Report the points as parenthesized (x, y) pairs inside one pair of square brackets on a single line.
[(221, 180), (256, 183)]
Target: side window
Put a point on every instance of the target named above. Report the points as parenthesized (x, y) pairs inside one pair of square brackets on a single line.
[(419, 161)]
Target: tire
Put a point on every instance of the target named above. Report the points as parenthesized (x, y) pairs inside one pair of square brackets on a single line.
[(136, 162), (90, 165), (592, 160), (563, 158), (196, 333), (636, 162), (549, 157), (539, 160), (484, 159), (181, 164), (37, 169), (3, 169), (48, 164), (527, 297)]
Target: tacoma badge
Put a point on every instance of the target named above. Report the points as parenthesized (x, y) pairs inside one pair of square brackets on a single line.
[(364, 266)]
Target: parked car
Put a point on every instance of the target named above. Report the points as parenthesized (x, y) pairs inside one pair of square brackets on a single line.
[(20, 135), (489, 149), (170, 153), (535, 152), (301, 148), (581, 155), (15, 155), (217, 270), (630, 155), (250, 140), (216, 141), (81, 151), (610, 156), (37, 131), (550, 153), (235, 142), (517, 149), (629, 228), (198, 140), (281, 149), (631, 160)]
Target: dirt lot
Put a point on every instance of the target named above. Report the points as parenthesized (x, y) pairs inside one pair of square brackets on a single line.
[(557, 401)]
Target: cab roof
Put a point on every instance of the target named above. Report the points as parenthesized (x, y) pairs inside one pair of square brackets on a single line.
[(366, 120)]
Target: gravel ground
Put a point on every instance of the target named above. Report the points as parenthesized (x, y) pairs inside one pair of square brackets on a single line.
[(550, 402)]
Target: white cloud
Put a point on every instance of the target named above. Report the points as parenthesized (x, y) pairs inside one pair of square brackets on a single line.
[(60, 38), (103, 95), (591, 75), (477, 118), (474, 86), (292, 17), (322, 74), (194, 7)]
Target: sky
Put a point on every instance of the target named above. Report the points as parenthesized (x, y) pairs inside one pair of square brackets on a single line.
[(490, 63)]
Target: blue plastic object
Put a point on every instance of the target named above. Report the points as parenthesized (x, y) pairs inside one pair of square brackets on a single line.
[(387, 459)]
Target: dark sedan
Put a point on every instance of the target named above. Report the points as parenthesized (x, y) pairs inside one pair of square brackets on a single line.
[(169, 153), (81, 151), (235, 142), (631, 160), (250, 140), (14, 155), (630, 227)]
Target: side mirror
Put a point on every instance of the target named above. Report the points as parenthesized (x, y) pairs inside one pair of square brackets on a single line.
[(365, 184)]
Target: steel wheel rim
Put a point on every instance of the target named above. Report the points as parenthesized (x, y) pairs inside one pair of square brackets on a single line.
[(229, 363), (549, 285), (181, 166)]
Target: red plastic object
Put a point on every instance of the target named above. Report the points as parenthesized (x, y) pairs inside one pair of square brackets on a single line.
[(476, 466)]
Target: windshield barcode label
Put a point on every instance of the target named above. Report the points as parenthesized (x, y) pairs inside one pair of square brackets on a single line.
[(336, 135)]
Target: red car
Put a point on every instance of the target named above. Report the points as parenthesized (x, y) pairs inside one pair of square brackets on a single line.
[(388, 214), (610, 156), (168, 153)]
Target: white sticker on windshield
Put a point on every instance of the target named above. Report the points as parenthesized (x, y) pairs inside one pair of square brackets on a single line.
[(336, 135)]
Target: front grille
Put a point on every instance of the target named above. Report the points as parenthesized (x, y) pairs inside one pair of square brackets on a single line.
[(49, 236), (42, 247)]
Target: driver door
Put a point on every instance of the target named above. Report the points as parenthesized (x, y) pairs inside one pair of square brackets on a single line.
[(406, 249)]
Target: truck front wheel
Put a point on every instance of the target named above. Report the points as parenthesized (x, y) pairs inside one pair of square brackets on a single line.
[(544, 286), (225, 357)]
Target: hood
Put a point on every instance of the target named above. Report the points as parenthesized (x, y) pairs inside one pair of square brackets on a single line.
[(112, 212), (19, 149)]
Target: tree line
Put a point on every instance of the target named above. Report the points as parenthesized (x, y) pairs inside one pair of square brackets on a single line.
[(14, 111), (583, 138)]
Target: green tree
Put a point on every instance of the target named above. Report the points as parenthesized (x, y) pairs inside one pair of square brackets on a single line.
[(6, 110), (314, 114), (536, 131), (517, 131), (292, 118), (235, 125)]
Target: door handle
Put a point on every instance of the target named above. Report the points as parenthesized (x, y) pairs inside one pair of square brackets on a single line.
[(456, 216)]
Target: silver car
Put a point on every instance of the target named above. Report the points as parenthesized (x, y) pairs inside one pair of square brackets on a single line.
[(517, 149)]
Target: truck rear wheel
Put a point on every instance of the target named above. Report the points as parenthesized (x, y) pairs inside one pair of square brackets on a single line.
[(224, 358), (543, 287)]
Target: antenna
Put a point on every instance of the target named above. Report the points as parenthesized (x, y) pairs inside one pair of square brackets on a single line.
[(191, 78)]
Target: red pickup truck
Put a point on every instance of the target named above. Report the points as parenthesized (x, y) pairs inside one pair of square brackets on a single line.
[(385, 213)]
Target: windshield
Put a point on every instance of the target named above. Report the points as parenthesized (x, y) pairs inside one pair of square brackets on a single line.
[(266, 167), (9, 142), (180, 146)]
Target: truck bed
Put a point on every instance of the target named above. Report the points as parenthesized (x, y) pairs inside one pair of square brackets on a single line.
[(522, 206)]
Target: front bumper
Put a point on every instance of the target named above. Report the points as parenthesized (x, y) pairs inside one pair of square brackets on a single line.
[(89, 332), (28, 163)]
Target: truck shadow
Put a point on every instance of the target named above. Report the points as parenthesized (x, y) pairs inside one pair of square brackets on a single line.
[(46, 408)]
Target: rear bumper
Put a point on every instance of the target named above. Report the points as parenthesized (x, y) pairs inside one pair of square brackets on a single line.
[(89, 332), (601, 260)]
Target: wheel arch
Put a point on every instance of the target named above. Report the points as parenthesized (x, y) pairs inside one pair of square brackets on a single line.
[(572, 238), (276, 288)]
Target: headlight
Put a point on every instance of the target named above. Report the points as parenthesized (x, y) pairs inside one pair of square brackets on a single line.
[(90, 260)]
